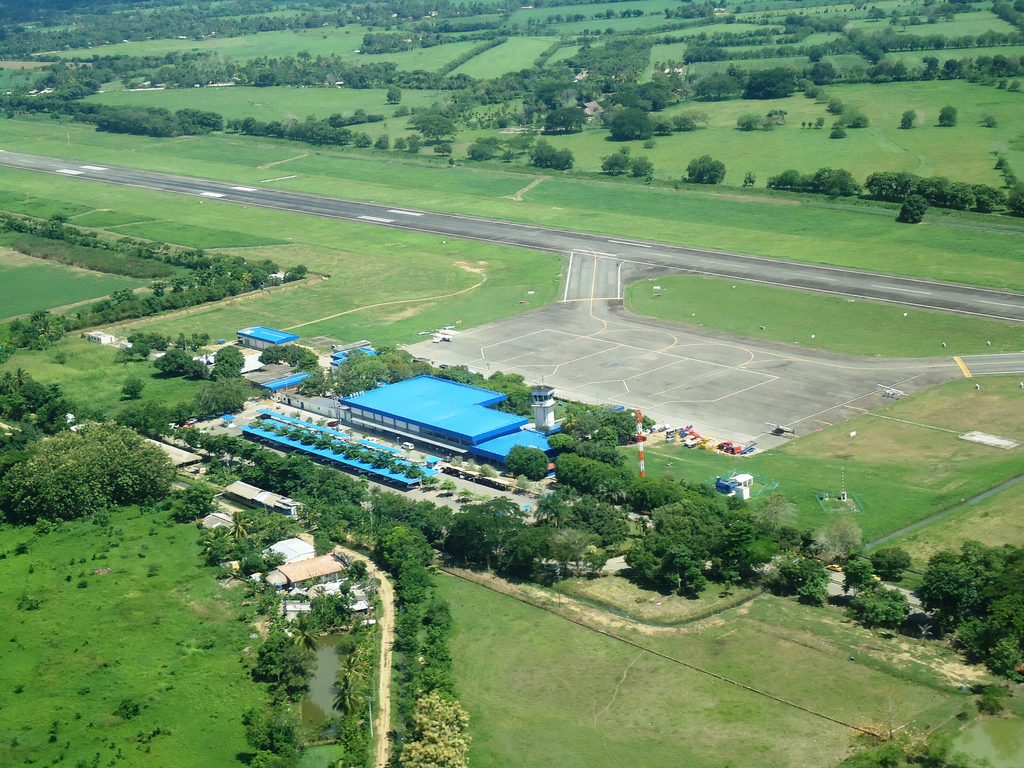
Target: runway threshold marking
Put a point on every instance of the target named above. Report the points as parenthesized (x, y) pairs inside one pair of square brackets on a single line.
[(964, 368)]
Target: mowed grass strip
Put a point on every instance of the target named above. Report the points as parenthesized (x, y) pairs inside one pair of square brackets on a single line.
[(125, 611), (832, 323), (994, 521), (561, 694), (900, 472), (39, 207), (195, 236), (28, 284), (104, 219)]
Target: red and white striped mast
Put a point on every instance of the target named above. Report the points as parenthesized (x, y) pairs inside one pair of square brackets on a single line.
[(640, 439)]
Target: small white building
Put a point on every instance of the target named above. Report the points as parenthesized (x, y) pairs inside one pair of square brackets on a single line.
[(218, 520), (98, 337), (257, 497), (292, 550)]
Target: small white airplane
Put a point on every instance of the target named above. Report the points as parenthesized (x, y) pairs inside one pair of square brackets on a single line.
[(891, 391)]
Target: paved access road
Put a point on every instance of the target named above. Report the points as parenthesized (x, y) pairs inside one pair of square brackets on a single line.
[(925, 294)]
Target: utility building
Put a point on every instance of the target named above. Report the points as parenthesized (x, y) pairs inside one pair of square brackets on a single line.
[(543, 401)]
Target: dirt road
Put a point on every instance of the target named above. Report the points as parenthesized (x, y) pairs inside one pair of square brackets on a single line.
[(386, 621)]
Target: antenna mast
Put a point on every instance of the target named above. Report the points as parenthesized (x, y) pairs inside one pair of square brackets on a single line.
[(640, 439)]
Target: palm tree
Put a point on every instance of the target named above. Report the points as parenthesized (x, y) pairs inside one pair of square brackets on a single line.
[(240, 525), (303, 634), (351, 673), (20, 377)]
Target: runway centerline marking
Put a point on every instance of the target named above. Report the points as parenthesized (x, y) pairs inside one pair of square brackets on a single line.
[(999, 304), (212, 194), (376, 219), (903, 290), (626, 242), (245, 189), (69, 172), (404, 213), (92, 168)]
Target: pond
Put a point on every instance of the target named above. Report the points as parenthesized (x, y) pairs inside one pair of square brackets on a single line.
[(999, 741), (318, 703)]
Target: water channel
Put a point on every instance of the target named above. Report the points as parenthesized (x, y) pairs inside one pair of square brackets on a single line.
[(1000, 741)]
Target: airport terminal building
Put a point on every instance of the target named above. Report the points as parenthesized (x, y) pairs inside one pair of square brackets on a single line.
[(451, 417)]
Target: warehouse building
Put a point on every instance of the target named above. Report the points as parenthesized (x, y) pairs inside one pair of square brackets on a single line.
[(443, 414), (259, 337)]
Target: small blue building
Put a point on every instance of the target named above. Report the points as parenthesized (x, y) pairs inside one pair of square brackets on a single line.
[(259, 337), (445, 414)]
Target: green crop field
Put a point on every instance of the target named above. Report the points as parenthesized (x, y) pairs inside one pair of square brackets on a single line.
[(935, 471), (28, 284), (993, 521), (808, 229), (564, 695), (916, 58), (274, 103), (972, 23), (514, 54), (833, 323), (125, 612)]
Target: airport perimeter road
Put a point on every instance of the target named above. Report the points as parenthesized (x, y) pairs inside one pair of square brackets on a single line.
[(925, 294)]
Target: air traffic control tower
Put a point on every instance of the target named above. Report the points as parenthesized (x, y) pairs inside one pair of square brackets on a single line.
[(543, 402)]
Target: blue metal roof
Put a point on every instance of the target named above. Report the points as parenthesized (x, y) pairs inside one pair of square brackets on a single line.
[(287, 381), (498, 448), (268, 335), (341, 356), (446, 407)]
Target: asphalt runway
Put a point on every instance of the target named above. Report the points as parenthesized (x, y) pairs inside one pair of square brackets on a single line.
[(590, 348), (638, 253)]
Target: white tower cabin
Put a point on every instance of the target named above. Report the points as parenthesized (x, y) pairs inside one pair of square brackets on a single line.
[(543, 402)]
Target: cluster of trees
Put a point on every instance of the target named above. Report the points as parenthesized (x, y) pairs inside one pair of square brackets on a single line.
[(79, 473), (330, 131), (155, 121), (978, 594), (937, 191), (37, 409), (620, 163), (834, 182), (543, 155)]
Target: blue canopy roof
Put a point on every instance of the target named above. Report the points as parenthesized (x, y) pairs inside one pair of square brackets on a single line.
[(268, 335), (446, 407), (335, 458), (498, 448)]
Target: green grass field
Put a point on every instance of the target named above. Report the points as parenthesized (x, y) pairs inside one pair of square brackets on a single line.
[(935, 469), (916, 58), (514, 54), (28, 284), (560, 694), (89, 375), (157, 629), (971, 23), (195, 236), (837, 324), (271, 103), (103, 219), (993, 521)]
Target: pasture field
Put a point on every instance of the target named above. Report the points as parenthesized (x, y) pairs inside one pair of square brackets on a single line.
[(102, 219), (564, 695), (849, 234), (28, 284), (273, 103), (125, 612), (935, 469), (88, 375), (514, 54), (837, 324), (916, 58), (994, 521), (321, 41), (970, 23)]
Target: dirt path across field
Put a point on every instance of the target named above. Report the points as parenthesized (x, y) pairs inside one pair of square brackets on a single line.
[(282, 162), (386, 622), (518, 196)]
